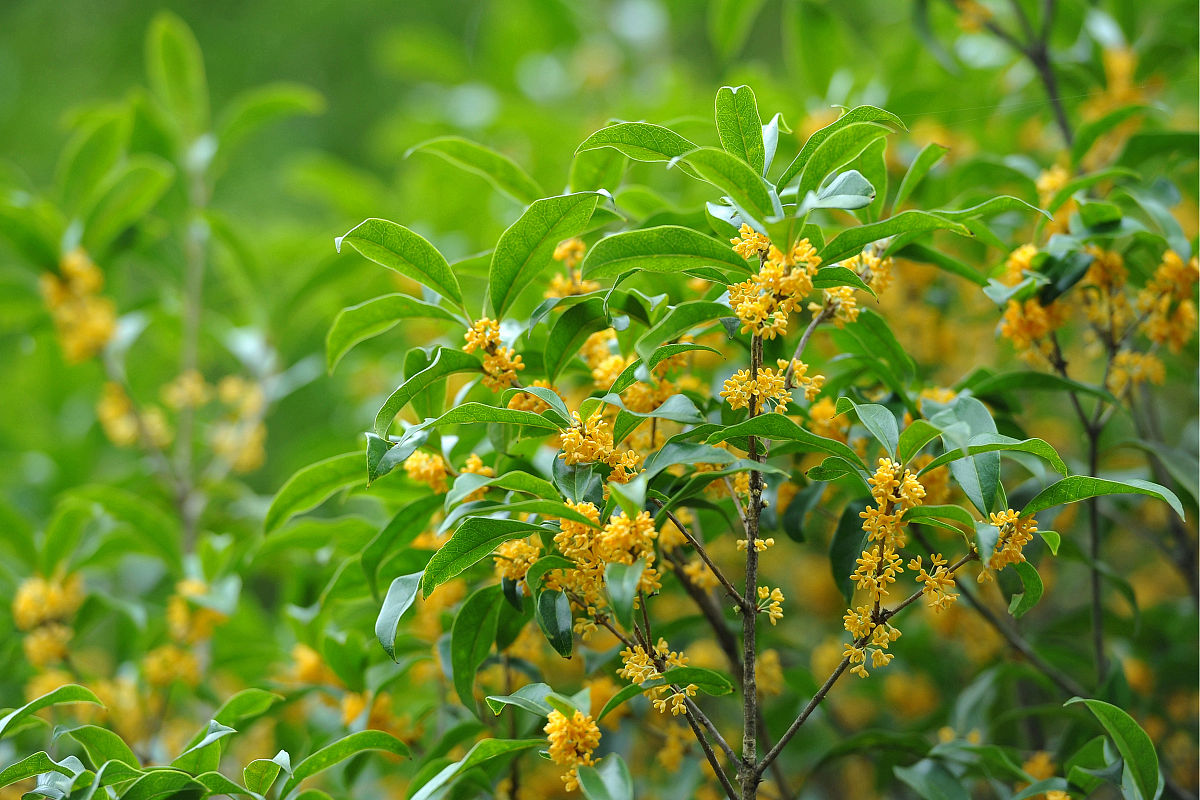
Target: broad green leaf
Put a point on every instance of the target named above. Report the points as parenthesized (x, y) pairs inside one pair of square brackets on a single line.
[(481, 753), (677, 408), (918, 434), (530, 697), (955, 513), (312, 486), (851, 117), (553, 616), (205, 754), (527, 246), (625, 693), (640, 141), (218, 784), (927, 255), (102, 745), (447, 361), (673, 453), (88, 157), (849, 190), (1052, 539), (31, 765), (406, 525), (994, 442), (1027, 599), (830, 277), (621, 582), (1135, 747), (667, 248), (608, 781), (361, 322), (255, 109), (1086, 182), (739, 126), (852, 241), (1033, 380), (932, 781), (877, 419), (930, 155), (124, 198), (849, 540), (990, 207), (569, 332), (872, 337), (593, 170), (400, 596), (471, 639), (708, 681), (543, 565), (499, 170), (71, 693), (781, 428), (175, 68), (735, 178), (1074, 488), (474, 541), (339, 751), (678, 321), (165, 783), (156, 528), (396, 247), (839, 149)]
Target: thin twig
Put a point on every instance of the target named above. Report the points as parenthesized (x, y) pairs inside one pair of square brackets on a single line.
[(703, 553)]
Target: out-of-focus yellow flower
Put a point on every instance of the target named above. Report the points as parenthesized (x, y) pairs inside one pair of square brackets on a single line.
[(170, 663), (188, 390), (84, 321)]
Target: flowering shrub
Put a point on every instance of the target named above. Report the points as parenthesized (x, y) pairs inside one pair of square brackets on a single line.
[(669, 496)]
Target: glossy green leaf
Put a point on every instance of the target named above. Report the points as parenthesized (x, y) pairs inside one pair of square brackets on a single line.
[(499, 170), (71, 693), (877, 419), (474, 541), (739, 126), (640, 141), (396, 247), (339, 751), (1026, 600), (1135, 747), (848, 190), (568, 333), (852, 241), (526, 248), (361, 322), (102, 745), (955, 513), (918, 434), (312, 486), (1074, 488), (31, 765), (930, 155), (481, 753), (621, 582), (781, 428), (678, 321), (254, 109), (471, 639), (400, 596), (553, 615), (175, 67), (994, 442), (447, 361), (706, 680), (1032, 380), (849, 540), (666, 248), (735, 178), (205, 754), (530, 697), (860, 114), (839, 149), (610, 780), (124, 199), (165, 783)]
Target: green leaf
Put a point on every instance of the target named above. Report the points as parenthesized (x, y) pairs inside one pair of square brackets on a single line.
[(608, 781), (1088, 133), (530, 697), (877, 419), (175, 68), (499, 170), (932, 781), (708, 681), (849, 190), (852, 241), (1023, 602), (640, 141), (851, 117), (447, 361), (396, 247), (1033, 380), (543, 565), (679, 320), (361, 322), (474, 541), (71, 693), (88, 157), (28, 767), (1052, 539), (527, 246), (990, 207), (157, 529), (205, 754), (872, 337), (102, 745), (554, 618), (955, 513), (400, 596), (165, 783), (829, 277), (1135, 747), (930, 155), (593, 170), (312, 486), (481, 753), (915, 436), (735, 178), (667, 249), (471, 639), (839, 149), (781, 428), (994, 442), (926, 255), (739, 126), (621, 581), (124, 198), (625, 693), (339, 751), (254, 109), (1074, 488), (730, 23), (569, 332), (218, 784), (405, 526), (849, 540)]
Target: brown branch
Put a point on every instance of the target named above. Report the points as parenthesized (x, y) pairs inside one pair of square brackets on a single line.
[(730, 589)]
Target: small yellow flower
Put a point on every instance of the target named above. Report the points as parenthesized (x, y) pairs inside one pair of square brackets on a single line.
[(427, 469), (572, 741)]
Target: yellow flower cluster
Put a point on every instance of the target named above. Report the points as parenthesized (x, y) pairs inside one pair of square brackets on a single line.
[(771, 601), (1028, 324), (638, 666), (500, 363), (823, 420), (699, 574), (427, 469), (1130, 368), (1015, 532), (188, 390), (187, 621), (524, 401), (40, 600), (876, 272), (895, 491), (515, 557), (570, 253), (572, 741), (840, 303), (764, 301), (121, 423), (171, 663), (84, 320), (1050, 182), (590, 441), (475, 466), (1166, 301), (760, 545), (937, 580), (46, 644), (1019, 262), (677, 700)]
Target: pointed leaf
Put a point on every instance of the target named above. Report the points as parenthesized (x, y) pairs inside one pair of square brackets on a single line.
[(499, 170), (396, 247)]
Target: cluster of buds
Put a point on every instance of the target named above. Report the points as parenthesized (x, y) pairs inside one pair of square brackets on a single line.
[(500, 363), (85, 320)]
